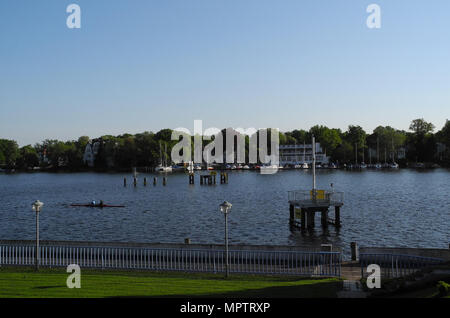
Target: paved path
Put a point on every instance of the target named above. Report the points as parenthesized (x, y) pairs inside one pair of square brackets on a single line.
[(351, 272)]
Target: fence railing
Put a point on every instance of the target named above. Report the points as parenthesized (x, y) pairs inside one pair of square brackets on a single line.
[(320, 196), (168, 259), (396, 265)]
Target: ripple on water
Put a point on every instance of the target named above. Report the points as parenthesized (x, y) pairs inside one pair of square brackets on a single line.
[(405, 208)]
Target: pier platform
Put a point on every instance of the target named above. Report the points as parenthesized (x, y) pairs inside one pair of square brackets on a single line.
[(303, 204)]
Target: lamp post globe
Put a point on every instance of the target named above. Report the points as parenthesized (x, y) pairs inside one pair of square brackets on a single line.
[(37, 206), (225, 207)]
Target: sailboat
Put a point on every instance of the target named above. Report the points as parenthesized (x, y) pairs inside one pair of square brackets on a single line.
[(378, 164), (162, 167), (296, 162), (268, 167), (385, 164), (363, 164), (208, 167), (304, 163), (356, 157), (190, 167), (393, 165)]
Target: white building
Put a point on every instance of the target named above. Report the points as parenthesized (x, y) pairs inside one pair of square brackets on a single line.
[(297, 154), (90, 152)]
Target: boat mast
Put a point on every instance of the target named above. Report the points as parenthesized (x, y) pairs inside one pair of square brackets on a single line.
[(363, 156), (295, 151), (165, 155), (304, 151), (314, 164), (356, 153), (393, 150), (378, 150), (160, 154)]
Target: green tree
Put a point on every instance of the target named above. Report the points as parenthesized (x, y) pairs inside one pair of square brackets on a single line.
[(164, 135), (28, 157), (343, 153), (126, 152), (9, 152), (356, 137), (146, 147), (421, 127), (386, 139), (443, 136), (299, 135), (56, 152), (330, 140), (282, 138), (422, 143)]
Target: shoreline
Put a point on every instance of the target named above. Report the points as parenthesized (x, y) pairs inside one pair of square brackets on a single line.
[(151, 170)]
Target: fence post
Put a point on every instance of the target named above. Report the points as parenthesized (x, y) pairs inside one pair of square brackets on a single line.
[(354, 250), (103, 259)]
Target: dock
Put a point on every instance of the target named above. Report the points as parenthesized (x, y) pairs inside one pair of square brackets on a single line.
[(303, 205)]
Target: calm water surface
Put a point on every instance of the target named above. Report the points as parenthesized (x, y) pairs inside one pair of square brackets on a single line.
[(403, 208)]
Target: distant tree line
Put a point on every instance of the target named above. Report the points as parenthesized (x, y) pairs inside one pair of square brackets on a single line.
[(419, 144)]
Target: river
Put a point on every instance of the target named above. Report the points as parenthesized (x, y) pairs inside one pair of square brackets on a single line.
[(403, 208)]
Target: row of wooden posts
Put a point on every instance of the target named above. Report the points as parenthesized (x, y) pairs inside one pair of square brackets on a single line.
[(155, 181), (209, 179), (204, 179)]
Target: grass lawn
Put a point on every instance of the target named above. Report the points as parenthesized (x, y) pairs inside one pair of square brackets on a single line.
[(25, 282)]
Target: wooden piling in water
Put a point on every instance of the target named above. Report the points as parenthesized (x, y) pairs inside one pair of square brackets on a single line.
[(135, 181), (337, 216), (154, 180), (208, 179), (164, 181), (124, 182), (145, 181), (303, 218), (223, 178), (310, 219), (324, 218), (354, 251), (291, 214)]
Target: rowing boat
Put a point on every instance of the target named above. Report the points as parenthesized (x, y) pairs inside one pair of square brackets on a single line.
[(98, 205)]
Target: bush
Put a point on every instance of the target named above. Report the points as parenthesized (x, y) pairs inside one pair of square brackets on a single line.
[(443, 288)]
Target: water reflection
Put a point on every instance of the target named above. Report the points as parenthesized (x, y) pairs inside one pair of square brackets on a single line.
[(395, 208)]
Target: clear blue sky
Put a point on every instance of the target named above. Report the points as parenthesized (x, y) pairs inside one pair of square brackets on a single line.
[(145, 65)]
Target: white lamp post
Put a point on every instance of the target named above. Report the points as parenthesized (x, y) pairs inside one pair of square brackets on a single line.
[(225, 208), (36, 206)]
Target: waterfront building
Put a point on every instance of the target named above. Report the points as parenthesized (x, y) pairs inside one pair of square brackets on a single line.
[(440, 150), (90, 152), (401, 153), (296, 154)]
